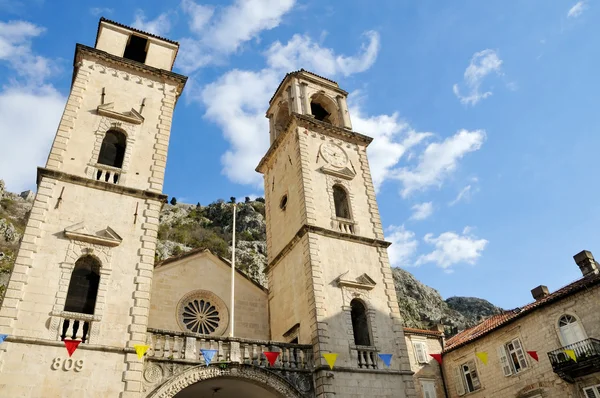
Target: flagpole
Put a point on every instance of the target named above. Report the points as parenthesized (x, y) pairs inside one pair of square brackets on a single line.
[(231, 310)]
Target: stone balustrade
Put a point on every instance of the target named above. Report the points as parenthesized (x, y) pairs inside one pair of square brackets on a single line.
[(75, 326), (102, 172), (366, 357), (186, 346), (344, 226)]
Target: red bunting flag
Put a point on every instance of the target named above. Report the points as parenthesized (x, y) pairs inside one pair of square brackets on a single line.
[(534, 355), (437, 357), (271, 357), (71, 346)]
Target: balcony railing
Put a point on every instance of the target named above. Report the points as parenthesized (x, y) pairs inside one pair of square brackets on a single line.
[(343, 226), (104, 173), (186, 346), (587, 354), (75, 326), (366, 356)]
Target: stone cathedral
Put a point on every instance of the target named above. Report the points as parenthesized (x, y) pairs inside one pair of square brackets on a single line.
[(86, 274)]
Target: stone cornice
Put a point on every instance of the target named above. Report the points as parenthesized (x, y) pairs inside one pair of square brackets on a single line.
[(100, 185), (327, 233), (308, 122), (81, 49)]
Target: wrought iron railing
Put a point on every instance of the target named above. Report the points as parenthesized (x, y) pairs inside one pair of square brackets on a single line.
[(584, 349)]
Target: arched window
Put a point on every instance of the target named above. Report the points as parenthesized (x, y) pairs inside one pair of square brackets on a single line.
[(360, 324), (83, 287), (282, 118), (112, 151), (570, 330), (324, 109), (340, 200)]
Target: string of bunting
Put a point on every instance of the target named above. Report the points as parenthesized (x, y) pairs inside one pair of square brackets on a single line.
[(3, 337), (483, 357), (208, 355), (534, 355), (71, 346), (140, 350), (437, 357)]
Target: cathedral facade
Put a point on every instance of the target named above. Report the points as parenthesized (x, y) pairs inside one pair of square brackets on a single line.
[(88, 313)]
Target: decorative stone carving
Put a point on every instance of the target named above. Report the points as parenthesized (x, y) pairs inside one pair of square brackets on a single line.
[(201, 311), (276, 382), (153, 373)]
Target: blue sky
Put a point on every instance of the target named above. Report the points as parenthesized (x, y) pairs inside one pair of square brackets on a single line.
[(483, 115)]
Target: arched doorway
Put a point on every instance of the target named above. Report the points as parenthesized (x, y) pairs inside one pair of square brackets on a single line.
[(233, 381)]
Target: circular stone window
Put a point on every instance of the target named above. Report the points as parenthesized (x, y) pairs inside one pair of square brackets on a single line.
[(202, 312), (283, 202)]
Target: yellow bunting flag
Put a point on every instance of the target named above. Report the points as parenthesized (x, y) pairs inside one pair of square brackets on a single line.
[(330, 359), (571, 354), (483, 357), (140, 350)]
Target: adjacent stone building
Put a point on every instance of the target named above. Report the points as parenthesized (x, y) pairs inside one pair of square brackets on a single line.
[(547, 349), (85, 273), (428, 376)]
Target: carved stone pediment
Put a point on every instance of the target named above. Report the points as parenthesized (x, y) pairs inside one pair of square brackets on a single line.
[(363, 282), (131, 116), (105, 237), (344, 173)]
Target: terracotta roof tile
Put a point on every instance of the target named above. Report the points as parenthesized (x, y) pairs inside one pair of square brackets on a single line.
[(497, 321), (295, 73), (102, 19)]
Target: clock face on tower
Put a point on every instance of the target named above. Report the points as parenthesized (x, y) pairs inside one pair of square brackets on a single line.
[(334, 154)]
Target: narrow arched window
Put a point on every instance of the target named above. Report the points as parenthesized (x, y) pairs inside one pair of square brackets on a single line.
[(83, 287), (324, 109), (112, 151), (340, 200), (360, 324)]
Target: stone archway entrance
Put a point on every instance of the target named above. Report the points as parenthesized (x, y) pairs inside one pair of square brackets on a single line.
[(234, 381)]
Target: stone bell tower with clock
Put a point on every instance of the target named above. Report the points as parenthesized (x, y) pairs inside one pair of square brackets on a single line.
[(84, 269), (330, 282)]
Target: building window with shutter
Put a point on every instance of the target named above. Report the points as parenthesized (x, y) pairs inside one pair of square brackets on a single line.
[(592, 392), (428, 388), (466, 378), (512, 357), (420, 349)]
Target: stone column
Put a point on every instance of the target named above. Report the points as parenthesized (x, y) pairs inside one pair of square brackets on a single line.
[(344, 114), (305, 102)]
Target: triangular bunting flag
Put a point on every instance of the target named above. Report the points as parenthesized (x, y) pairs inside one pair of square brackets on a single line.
[(534, 355), (483, 357), (72, 346), (140, 350), (330, 358), (437, 357), (271, 357), (3, 337), (208, 355), (386, 358), (571, 354)]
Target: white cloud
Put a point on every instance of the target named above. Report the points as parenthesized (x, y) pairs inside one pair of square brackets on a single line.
[(30, 137), (404, 245), (15, 48), (25, 96), (223, 32), (464, 194), (577, 9), (159, 26), (302, 52), (391, 138), (421, 211), (452, 248), (482, 64), (438, 161), (236, 102), (98, 11)]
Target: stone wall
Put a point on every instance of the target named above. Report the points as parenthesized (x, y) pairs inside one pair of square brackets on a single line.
[(431, 369)]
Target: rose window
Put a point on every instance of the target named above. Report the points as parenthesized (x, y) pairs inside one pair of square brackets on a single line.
[(202, 312), (201, 316)]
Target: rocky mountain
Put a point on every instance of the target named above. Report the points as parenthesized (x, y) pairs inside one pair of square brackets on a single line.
[(184, 227)]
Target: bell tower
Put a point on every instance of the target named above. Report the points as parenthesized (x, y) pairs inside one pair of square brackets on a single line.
[(330, 282), (84, 269)]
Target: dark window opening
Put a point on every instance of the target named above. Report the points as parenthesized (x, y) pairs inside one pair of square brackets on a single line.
[(136, 49), (112, 151), (360, 325), (294, 340), (283, 202), (340, 200), (83, 287), (319, 112)]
